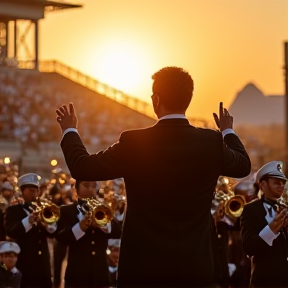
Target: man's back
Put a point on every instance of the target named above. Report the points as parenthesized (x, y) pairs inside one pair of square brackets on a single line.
[(170, 172)]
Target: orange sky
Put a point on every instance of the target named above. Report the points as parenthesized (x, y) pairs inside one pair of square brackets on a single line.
[(224, 44)]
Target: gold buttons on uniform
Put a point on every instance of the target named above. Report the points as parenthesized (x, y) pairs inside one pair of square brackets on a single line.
[(93, 252), (39, 252), (92, 242)]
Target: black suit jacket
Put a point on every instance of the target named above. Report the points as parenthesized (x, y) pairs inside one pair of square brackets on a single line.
[(170, 171), (34, 259), (269, 263), (87, 259)]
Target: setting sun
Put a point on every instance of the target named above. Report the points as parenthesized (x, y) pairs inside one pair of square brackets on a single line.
[(122, 65)]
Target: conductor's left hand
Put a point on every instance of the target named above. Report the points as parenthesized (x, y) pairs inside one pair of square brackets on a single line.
[(66, 119)]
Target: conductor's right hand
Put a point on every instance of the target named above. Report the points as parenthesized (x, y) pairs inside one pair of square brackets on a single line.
[(277, 224), (224, 120)]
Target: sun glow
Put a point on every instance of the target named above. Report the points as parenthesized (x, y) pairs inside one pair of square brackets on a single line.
[(122, 66)]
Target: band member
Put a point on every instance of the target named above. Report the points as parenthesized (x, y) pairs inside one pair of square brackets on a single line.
[(87, 242), (10, 276), (22, 223), (262, 229)]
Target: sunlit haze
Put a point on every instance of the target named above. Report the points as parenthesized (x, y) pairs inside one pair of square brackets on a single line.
[(224, 44)]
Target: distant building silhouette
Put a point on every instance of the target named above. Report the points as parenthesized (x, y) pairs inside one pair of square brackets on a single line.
[(252, 107)]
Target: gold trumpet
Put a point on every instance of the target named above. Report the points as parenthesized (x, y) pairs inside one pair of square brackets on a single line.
[(226, 202), (234, 206), (100, 213), (48, 213), (282, 202)]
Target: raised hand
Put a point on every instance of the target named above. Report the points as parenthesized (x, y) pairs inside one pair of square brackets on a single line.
[(66, 119), (225, 120), (280, 219)]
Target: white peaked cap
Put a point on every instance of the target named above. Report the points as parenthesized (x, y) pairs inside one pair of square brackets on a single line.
[(7, 185), (29, 179), (272, 169), (7, 246)]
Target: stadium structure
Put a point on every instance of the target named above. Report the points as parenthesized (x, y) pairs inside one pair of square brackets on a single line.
[(30, 88)]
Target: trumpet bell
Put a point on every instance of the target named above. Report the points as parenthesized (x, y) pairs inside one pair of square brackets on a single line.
[(100, 212), (234, 206), (103, 215), (50, 214)]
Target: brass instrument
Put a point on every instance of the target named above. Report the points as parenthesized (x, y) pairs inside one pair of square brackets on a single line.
[(48, 213), (230, 205), (99, 212), (282, 203), (226, 202), (234, 206)]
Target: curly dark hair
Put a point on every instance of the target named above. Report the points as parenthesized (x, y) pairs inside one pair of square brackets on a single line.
[(174, 87)]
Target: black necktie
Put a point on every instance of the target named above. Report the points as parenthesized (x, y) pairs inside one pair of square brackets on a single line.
[(270, 211), (272, 203)]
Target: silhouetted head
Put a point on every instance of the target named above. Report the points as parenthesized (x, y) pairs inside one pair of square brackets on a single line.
[(172, 91)]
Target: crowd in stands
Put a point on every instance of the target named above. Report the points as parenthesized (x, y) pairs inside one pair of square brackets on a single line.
[(28, 100)]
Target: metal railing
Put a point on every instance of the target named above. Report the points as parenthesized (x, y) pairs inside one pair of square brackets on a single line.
[(68, 72)]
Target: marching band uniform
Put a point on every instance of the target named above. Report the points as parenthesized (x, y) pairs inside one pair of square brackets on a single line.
[(87, 259), (34, 258), (268, 251)]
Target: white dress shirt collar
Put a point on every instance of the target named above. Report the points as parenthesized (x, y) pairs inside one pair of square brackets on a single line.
[(173, 116), (14, 270)]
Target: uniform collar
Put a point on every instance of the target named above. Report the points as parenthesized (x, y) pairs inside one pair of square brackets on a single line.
[(173, 116)]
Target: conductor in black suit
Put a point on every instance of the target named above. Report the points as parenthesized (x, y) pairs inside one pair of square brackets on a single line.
[(155, 162), (262, 228)]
